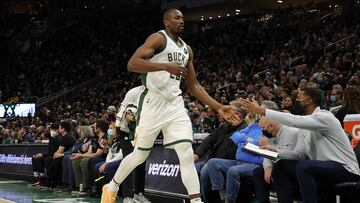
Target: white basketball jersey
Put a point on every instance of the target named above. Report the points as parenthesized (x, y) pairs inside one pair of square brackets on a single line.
[(162, 82), (132, 96)]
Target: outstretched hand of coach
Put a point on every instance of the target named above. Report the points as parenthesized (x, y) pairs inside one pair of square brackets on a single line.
[(251, 106)]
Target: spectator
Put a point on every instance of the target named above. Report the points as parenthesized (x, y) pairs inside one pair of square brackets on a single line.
[(287, 104), (225, 174), (350, 105), (7, 137), (83, 163), (39, 159), (67, 140), (217, 145), (81, 146)]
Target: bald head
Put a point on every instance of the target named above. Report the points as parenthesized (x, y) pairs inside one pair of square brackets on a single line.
[(169, 12)]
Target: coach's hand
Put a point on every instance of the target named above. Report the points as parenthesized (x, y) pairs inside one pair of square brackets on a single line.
[(229, 114), (177, 69), (251, 106)]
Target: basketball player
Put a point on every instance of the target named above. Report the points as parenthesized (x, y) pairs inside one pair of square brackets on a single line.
[(163, 60), (125, 129)]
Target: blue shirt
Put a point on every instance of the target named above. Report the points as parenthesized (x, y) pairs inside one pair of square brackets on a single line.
[(241, 137)]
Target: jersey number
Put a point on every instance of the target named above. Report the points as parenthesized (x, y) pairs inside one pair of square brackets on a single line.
[(174, 77)]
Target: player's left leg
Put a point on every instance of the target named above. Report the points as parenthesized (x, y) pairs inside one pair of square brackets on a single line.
[(178, 135)]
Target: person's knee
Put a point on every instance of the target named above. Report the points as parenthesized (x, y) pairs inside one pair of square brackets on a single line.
[(204, 173), (212, 163), (184, 151), (233, 172), (302, 167), (139, 156), (97, 166)]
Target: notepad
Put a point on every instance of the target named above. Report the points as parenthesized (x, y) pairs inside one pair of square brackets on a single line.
[(262, 152)]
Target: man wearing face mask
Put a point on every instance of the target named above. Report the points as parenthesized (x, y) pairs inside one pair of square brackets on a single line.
[(283, 139), (39, 159), (331, 157)]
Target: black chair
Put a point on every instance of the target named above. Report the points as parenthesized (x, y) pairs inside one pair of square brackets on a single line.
[(350, 191)]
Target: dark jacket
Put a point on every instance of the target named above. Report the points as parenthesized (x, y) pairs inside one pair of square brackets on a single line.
[(218, 144), (53, 145)]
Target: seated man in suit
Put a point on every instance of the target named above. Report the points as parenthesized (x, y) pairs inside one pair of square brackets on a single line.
[(217, 145)]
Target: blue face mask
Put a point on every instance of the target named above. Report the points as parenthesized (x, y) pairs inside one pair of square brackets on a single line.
[(109, 132), (333, 98)]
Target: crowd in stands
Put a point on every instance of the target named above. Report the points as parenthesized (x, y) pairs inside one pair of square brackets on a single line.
[(232, 61)]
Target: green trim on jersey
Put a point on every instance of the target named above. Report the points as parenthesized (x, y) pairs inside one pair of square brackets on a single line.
[(141, 102), (143, 78), (177, 142), (164, 45), (144, 149), (182, 43), (131, 105)]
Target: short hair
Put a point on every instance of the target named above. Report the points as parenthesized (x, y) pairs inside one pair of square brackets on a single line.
[(237, 105), (66, 125), (102, 124), (316, 95), (270, 105), (55, 125), (337, 87), (167, 13)]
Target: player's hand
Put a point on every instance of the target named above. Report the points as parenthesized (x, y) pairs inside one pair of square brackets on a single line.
[(177, 69), (267, 174), (251, 106), (229, 114)]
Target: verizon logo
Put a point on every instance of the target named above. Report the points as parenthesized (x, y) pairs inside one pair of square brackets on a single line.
[(164, 169)]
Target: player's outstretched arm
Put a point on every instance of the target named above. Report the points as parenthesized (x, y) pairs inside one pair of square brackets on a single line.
[(199, 92)]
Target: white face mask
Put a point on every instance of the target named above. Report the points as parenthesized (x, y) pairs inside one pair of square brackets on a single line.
[(109, 132), (53, 134)]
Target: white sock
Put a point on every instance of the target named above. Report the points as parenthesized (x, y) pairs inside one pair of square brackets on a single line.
[(128, 164), (36, 174), (42, 174), (196, 200), (222, 194), (112, 186)]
